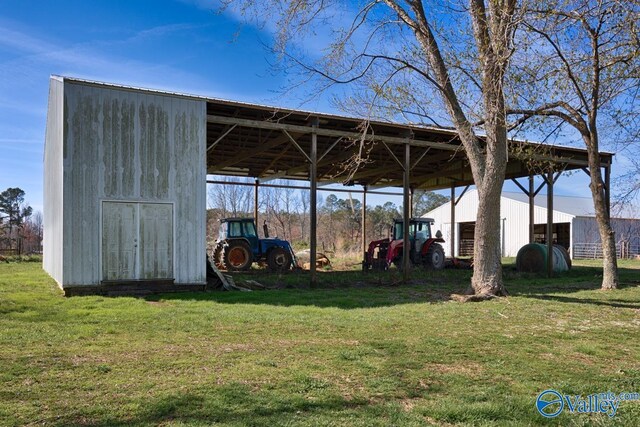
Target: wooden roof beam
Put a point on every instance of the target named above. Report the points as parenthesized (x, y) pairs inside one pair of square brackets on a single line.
[(249, 153)]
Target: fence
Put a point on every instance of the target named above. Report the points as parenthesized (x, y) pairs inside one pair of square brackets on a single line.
[(624, 249), (466, 247)]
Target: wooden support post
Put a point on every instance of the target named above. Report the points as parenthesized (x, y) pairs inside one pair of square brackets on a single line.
[(607, 189), (550, 223), (255, 203), (452, 235), (411, 190), (364, 220), (313, 214), (406, 217), (532, 218)]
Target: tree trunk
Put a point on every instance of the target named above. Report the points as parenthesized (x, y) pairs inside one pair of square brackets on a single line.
[(607, 235), (487, 262)]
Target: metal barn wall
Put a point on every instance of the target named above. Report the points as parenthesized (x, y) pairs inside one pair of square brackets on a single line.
[(136, 146), (53, 156), (514, 229), (586, 237)]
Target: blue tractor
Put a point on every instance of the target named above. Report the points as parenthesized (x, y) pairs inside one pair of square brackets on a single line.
[(238, 246)]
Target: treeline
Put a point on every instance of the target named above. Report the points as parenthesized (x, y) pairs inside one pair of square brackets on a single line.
[(20, 228), (287, 210)]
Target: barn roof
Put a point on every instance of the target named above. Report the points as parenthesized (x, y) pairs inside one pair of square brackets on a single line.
[(266, 142), (571, 205)]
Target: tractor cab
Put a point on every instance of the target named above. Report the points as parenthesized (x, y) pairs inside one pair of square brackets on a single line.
[(419, 228), (425, 249), (238, 246), (419, 233), (231, 228)]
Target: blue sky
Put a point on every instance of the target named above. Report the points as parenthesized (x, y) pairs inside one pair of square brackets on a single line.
[(177, 45)]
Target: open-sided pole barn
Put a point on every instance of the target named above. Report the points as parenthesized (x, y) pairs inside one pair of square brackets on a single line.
[(126, 170)]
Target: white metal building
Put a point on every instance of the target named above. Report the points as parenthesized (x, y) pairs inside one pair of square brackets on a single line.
[(574, 225), (124, 174)]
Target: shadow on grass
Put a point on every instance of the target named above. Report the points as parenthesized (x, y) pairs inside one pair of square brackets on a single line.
[(608, 303), (339, 289), (355, 289), (232, 404)]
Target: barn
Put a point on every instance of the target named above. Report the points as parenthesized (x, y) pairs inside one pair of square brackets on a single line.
[(126, 169), (124, 174), (574, 225)]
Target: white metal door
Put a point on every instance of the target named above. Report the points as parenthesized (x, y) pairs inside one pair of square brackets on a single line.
[(156, 241), (119, 241), (137, 241)]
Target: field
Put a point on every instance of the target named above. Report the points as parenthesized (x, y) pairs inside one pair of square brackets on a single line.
[(360, 350)]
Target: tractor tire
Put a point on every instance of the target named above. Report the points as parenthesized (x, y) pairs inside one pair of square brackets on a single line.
[(434, 258), (237, 256), (217, 256), (279, 259)]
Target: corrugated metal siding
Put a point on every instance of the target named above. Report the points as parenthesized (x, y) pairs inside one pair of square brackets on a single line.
[(585, 229), (515, 228), (130, 146), (53, 180)]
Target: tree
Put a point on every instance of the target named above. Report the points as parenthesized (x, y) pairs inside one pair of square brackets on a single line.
[(305, 201), (628, 184), (391, 46), (381, 218), (15, 212), (232, 200), (32, 232), (580, 67), (426, 201)]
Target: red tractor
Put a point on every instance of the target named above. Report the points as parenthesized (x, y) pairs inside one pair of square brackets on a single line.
[(425, 249)]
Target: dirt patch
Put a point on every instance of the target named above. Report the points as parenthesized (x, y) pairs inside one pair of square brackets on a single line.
[(470, 369), (157, 303), (433, 421), (409, 404)]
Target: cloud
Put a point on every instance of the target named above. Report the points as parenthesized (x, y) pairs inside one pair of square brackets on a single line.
[(36, 55), (21, 42)]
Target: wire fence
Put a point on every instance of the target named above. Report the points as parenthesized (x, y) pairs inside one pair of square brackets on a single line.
[(624, 249)]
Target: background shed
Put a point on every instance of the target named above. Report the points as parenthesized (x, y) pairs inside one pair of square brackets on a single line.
[(574, 225)]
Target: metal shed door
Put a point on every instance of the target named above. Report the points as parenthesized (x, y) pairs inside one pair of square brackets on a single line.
[(119, 241), (156, 241), (137, 241)]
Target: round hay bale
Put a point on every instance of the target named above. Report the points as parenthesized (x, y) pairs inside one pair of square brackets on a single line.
[(565, 254), (532, 258)]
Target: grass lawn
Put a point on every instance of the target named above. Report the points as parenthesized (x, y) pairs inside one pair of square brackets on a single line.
[(361, 350)]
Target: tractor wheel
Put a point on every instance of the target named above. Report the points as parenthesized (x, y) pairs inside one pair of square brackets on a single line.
[(217, 255), (279, 259), (434, 258), (237, 256)]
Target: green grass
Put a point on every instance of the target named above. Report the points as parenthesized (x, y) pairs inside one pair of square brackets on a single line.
[(361, 350)]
